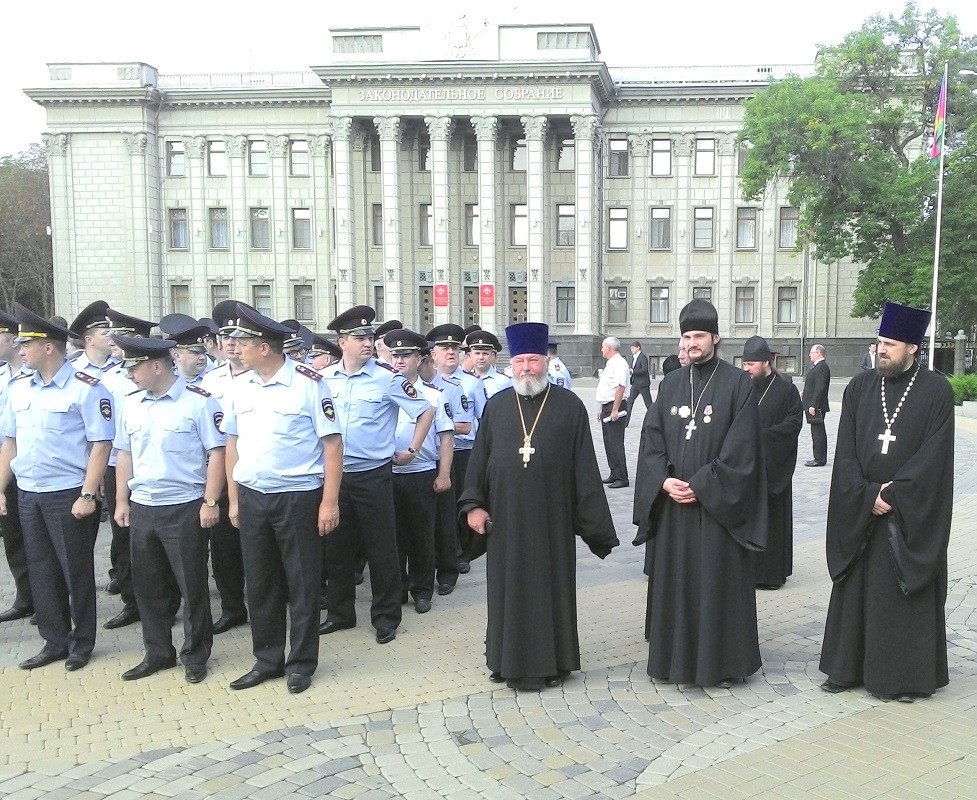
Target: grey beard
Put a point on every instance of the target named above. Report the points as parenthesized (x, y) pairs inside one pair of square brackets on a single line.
[(530, 386)]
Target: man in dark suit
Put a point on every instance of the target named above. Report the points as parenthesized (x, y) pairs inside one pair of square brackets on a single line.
[(868, 358), (640, 377), (815, 400)]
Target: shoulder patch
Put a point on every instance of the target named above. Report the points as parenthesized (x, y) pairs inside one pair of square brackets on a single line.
[(197, 390), (105, 408), (309, 373), (84, 377), (409, 389), (388, 367)]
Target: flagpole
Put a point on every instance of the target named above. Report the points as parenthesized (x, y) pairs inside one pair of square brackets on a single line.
[(939, 224)]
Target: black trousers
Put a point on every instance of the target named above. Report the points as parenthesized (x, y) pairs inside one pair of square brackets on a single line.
[(61, 565), (366, 521), (613, 433), (13, 545), (282, 555), (819, 442), (459, 469), (227, 562), (168, 545), (447, 549), (414, 505), (120, 553), (642, 391)]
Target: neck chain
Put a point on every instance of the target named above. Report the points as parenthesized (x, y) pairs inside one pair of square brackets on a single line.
[(691, 427), (527, 450), (760, 401), (887, 437)]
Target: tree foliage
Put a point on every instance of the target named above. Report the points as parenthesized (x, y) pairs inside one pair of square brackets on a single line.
[(26, 262), (852, 140)]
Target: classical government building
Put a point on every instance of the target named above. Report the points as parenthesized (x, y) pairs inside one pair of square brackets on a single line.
[(512, 177)]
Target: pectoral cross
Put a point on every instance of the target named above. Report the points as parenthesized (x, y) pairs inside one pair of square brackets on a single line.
[(526, 451), (689, 428), (885, 438)]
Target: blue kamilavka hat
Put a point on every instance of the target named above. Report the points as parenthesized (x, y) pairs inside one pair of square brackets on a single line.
[(904, 323), (527, 337)]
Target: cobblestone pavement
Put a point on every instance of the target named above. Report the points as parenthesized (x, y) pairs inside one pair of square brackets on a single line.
[(418, 718)]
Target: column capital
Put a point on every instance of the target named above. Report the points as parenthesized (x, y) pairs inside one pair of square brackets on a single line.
[(683, 143), (388, 128), (56, 144), (438, 128), (535, 127), (319, 145), (726, 144), (238, 147), (486, 128), (195, 146), (584, 126), (278, 146), (135, 143), (340, 128)]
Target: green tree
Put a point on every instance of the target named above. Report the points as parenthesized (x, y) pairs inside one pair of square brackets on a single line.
[(26, 261), (852, 140)]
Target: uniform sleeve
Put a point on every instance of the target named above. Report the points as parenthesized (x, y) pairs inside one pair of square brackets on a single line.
[(8, 420), (209, 419), (442, 422), (228, 424), (453, 394), (122, 439), (479, 398), (405, 395), (324, 414), (98, 414)]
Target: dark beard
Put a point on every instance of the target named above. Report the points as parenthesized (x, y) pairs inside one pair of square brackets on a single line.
[(893, 369)]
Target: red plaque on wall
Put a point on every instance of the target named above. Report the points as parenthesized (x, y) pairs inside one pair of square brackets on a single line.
[(486, 295), (441, 295)]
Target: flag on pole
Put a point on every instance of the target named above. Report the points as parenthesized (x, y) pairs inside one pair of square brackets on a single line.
[(939, 126)]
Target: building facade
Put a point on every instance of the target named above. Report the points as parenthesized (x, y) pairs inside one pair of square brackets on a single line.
[(513, 178)]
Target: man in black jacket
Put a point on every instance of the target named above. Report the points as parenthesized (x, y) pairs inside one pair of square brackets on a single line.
[(815, 400), (640, 377)]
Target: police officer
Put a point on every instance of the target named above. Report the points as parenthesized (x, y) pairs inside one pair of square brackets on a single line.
[(484, 348), (58, 426), (170, 473), (190, 353), (367, 396), (324, 352), (298, 345), (417, 482), (383, 352), (91, 328), (556, 370), (284, 462)]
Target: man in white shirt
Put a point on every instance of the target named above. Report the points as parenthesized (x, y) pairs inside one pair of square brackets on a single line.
[(612, 395)]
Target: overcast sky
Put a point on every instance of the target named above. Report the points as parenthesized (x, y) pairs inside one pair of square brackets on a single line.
[(214, 37)]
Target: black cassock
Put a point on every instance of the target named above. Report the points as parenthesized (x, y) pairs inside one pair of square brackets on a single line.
[(536, 510), (702, 624), (886, 626), (781, 419)]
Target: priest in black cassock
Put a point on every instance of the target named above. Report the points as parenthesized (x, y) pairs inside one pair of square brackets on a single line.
[(532, 484), (701, 494), (781, 420), (889, 518)]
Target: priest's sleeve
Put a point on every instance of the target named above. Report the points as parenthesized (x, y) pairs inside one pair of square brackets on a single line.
[(592, 519), (652, 469)]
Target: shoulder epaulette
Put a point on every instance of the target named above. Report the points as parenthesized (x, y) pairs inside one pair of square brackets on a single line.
[(134, 391), (75, 355), (470, 372), (20, 375), (197, 390), (386, 366), (432, 386), (84, 377), (310, 373)]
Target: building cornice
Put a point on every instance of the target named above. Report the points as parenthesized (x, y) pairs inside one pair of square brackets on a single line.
[(58, 95), (257, 96)]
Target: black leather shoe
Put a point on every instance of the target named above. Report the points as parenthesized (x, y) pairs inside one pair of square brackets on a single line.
[(464, 567), (331, 626), (553, 680), (225, 623), (42, 659), (255, 678), (445, 588), (833, 686), (813, 463), (73, 663), (113, 587), (196, 673), (608, 479), (496, 677), (298, 683), (13, 613), (126, 616), (146, 668), (618, 485), (357, 578), (385, 635), (422, 605), (725, 683)]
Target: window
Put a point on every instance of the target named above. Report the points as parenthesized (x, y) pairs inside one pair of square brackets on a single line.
[(427, 225), (617, 304), (517, 156), (375, 160), (702, 293), (219, 229), (661, 157), (519, 225), (298, 157), (260, 229), (705, 156), (660, 231), (619, 166), (180, 298), (469, 154), (471, 224), (702, 229), (176, 159), (261, 298), (304, 302), (566, 222), (745, 305), (659, 304), (566, 297), (302, 230), (219, 292), (788, 227), (179, 229), (378, 300), (617, 229), (423, 154), (565, 159), (216, 159), (746, 228), (377, 230), (787, 305), (258, 158)]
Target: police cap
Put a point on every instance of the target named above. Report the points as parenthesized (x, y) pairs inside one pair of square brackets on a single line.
[(92, 316), (183, 329), (447, 334), (483, 340), (141, 348), (123, 323), (252, 324), (358, 321), (404, 342), (31, 326)]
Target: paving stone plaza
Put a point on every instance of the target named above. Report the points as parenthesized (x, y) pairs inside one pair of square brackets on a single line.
[(418, 718)]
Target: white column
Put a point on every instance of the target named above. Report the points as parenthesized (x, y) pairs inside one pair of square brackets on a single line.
[(390, 132), (537, 282), (587, 216), (145, 268), (342, 142), (239, 220), (62, 224), (486, 131), (439, 130)]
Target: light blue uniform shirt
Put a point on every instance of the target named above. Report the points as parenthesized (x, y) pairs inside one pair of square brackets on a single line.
[(558, 374), (168, 438), (428, 454), (120, 385), (366, 405), (221, 382), (82, 363), (494, 382), (473, 401), (280, 425), (54, 425)]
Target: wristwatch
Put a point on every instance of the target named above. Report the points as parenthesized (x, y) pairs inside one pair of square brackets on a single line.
[(87, 496), (412, 451), (210, 502)]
